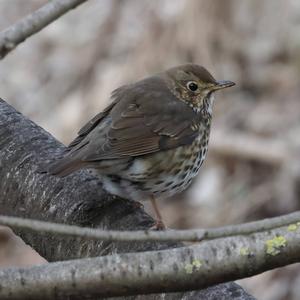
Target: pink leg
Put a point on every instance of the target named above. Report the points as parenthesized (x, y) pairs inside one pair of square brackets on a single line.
[(159, 222)]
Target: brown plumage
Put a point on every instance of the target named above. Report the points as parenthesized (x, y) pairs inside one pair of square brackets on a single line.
[(151, 140)]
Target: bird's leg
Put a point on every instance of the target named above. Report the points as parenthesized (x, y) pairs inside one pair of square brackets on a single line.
[(159, 225)]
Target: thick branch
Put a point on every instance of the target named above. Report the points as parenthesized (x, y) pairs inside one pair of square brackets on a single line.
[(77, 199), (186, 268), (20, 31), (192, 235)]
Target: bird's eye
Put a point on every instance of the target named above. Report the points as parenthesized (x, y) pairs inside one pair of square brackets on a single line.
[(192, 86)]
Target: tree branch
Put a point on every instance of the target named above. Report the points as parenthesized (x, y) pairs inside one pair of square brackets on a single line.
[(186, 268), (194, 235), (77, 199), (11, 37)]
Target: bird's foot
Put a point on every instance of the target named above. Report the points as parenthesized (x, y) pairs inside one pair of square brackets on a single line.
[(137, 205), (158, 225)]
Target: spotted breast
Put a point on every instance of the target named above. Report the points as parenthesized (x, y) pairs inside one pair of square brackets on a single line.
[(159, 175)]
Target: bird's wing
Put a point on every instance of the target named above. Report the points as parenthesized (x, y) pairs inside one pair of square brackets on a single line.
[(89, 126), (143, 119)]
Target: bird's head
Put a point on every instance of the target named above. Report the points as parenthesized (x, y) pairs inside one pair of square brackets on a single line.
[(194, 85)]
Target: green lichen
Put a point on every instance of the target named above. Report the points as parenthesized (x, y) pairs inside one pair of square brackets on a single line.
[(274, 245), (189, 268), (292, 227), (197, 264), (194, 266), (244, 251)]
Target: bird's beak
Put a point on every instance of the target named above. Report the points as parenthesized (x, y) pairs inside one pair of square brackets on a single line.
[(222, 84)]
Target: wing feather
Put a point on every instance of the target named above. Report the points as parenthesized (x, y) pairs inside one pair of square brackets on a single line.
[(143, 118)]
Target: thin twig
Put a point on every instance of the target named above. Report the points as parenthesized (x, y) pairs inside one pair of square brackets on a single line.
[(169, 235), (11, 37), (178, 269)]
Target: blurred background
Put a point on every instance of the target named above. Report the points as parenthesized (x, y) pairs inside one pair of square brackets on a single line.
[(63, 76)]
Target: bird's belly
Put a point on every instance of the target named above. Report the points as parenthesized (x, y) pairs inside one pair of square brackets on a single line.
[(166, 173)]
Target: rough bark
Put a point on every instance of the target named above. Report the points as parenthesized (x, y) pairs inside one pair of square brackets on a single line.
[(170, 270), (77, 199)]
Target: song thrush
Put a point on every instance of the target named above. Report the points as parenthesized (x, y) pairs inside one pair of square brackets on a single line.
[(152, 139)]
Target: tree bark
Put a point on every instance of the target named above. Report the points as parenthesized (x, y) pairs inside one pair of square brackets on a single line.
[(76, 199), (171, 270)]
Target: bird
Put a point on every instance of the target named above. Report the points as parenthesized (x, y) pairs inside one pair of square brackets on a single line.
[(151, 140)]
